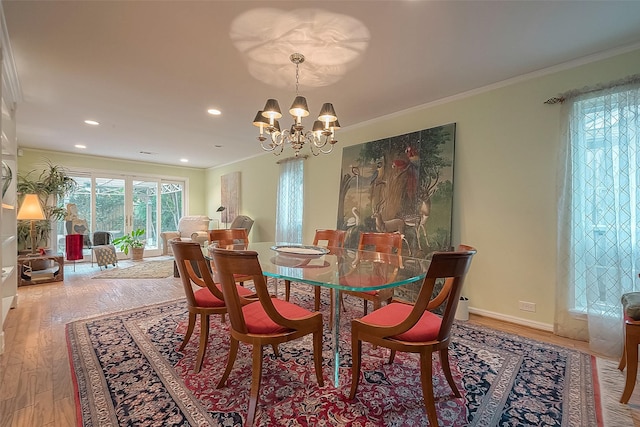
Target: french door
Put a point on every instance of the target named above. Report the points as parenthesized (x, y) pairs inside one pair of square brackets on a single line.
[(119, 204)]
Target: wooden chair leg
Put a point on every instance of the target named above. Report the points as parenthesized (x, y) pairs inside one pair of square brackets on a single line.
[(287, 289), (233, 352), (204, 340), (256, 377), (444, 361), (190, 327), (632, 340), (426, 378), (316, 304)]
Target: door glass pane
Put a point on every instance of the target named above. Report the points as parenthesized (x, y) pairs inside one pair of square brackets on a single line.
[(171, 200), (110, 206), (81, 197), (145, 215)]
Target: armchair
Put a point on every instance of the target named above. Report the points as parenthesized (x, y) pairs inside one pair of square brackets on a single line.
[(242, 221), (195, 228)]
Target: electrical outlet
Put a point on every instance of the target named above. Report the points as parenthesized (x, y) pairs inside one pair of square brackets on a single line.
[(527, 306)]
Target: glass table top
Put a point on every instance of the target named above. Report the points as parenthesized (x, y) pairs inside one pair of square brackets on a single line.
[(342, 269)]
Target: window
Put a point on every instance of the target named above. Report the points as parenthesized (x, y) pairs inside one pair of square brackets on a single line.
[(290, 205), (599, 212)]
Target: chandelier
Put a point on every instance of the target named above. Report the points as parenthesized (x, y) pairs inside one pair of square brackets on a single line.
[(321, 138)]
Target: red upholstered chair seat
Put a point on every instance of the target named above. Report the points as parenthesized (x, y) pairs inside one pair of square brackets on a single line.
[(259, 322), (204, 297), (426, 329)]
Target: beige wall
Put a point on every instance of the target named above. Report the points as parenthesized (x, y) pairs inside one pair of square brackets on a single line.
[(34, 160), (504, 186)]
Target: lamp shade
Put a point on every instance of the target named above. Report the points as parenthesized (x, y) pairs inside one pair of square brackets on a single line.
[(260, 120), (327, 113), (272, 109), (317, 126), (31, 208), (299, 107)]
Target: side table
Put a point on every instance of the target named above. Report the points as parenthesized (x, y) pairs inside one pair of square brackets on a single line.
[(40, 269)]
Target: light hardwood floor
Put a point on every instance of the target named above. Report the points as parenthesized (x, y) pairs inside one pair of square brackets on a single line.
[(36, 388)]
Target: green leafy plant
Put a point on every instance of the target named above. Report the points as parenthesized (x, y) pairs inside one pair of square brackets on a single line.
[(131, 240), (51, 185)]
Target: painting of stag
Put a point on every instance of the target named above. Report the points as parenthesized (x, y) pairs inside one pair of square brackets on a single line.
[(401, 184)]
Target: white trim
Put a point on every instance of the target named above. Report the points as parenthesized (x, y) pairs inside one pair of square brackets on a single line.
[(512, 319)]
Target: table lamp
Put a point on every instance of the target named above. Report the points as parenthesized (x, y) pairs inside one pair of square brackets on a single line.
[(221, 209), (31, 209)]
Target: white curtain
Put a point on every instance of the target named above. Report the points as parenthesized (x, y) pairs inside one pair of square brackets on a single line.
[(290, 201), (599, 215)]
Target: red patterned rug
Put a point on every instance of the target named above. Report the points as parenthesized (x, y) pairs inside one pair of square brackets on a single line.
[(127, 371)]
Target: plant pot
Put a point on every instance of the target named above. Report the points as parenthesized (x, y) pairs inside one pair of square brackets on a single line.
[(137, 254)]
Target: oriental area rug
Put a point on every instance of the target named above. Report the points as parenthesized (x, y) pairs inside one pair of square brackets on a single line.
[(127, 371), (140, 270)]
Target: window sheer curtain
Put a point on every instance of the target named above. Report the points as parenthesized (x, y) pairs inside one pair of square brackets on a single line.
[(290, 201), (599, 214)]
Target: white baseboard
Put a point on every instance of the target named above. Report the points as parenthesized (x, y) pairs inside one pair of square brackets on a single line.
[(512, 319)]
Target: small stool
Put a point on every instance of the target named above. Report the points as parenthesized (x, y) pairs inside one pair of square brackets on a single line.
[(105, 254), (631, 312)]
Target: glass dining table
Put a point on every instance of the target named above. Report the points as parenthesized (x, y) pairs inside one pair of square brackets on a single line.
[(339, 269)]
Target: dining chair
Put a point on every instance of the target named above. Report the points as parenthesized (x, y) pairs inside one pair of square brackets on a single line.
[(236, 238), (413, 328), (269, 321), (206, 300), (325, 238), (388, 243)]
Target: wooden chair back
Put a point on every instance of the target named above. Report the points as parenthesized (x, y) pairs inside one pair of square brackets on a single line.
[(229, 237), (451, 266), (193, 268), (333, 238), (381, 242)]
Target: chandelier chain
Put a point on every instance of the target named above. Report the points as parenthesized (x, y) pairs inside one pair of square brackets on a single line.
[(297, 77)]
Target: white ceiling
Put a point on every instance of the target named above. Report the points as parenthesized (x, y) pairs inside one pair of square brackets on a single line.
[(149, 70)]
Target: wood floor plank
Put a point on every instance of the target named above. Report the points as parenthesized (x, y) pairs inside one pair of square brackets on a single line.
[(7, 409), (64, 412), (43, 411)]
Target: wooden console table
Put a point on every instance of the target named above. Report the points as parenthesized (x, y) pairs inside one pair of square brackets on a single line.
[(50, 273)]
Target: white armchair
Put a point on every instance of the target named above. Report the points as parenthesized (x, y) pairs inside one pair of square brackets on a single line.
[(194, 228)]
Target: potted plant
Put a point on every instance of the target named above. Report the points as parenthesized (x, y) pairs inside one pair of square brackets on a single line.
[(133, 241), (51, 185)]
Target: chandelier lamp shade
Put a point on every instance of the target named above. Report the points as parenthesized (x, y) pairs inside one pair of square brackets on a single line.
[(321, 137), (31, 210)]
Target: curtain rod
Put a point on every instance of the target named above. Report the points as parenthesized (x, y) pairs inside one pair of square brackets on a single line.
[(560, 98), (290, 159)]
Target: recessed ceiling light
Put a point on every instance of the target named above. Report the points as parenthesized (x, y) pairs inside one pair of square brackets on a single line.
[(91, 122), (184, 160), (214, 112), (80, 146)]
